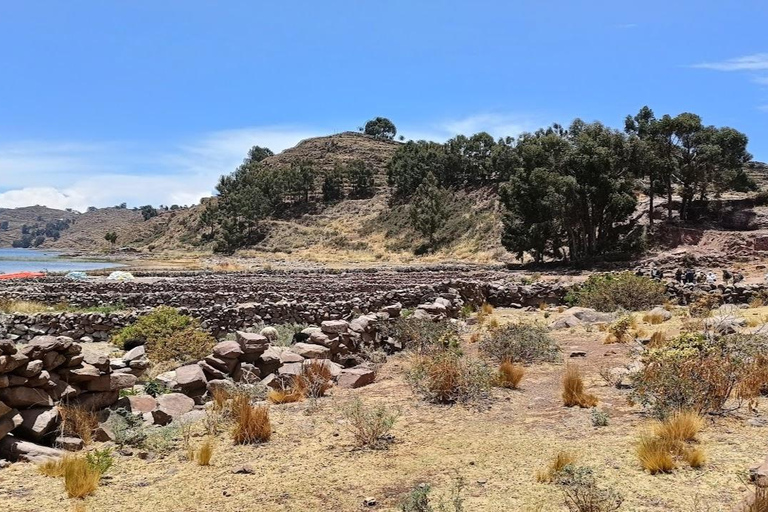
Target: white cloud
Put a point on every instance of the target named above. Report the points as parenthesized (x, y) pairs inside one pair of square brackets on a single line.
[(761, 80), (78, 175), (498, 125), (72, 175), (756, 62)]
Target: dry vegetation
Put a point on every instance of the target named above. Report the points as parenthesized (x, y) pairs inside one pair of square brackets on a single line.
[(328, 455)]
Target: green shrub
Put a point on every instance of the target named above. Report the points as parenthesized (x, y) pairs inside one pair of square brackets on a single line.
[(520, 343), (421, 335), (446, 376), (581, 492), (370, 425), (599, 418), (100, 460), (700, 373), (609, 292), (419, 500), (167, 336)]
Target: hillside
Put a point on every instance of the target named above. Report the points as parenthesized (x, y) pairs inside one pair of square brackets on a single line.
[(361, 230)]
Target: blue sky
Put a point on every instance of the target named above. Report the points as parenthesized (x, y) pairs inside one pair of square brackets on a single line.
[(105, 101)]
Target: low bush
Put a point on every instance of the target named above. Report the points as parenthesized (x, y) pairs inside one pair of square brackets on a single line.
[(550, 472), (703, 306), (520, 343), (167, 335), (448, 377), (699, 373), (251, 421), (509, 375), (80, 478), (128, 428), (573, 389), (658, 338), (370, 426), (619, 330), (599, 418), (100, 460), (654, 318), (669, 442), (419, 499), (421, 335), (609, 292), (581, 492)]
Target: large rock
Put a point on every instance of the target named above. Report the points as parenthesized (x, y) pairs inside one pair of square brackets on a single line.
[(9, 422), (363, 323), (37, 423), (311, 351), (137, 404), (111, 382), (94, 401), (334, 326), (170, 407), (30, 369), (252, 343), (727, 324), (22, 397), (356, 377), (661, 313), (16, 449), (566, 322), (135, 353), (83, 373), (228, 350), (190, 379), (590, 316)]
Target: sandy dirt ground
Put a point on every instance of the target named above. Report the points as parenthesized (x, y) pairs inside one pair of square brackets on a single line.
[(496, 447)]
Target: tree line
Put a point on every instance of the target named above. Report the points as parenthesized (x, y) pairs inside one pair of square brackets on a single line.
[(568, 193), (255, 192)]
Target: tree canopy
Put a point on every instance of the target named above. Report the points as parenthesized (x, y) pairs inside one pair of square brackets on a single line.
[(381, 128)]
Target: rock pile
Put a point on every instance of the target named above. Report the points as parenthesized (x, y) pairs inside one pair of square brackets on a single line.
[(48, 370)]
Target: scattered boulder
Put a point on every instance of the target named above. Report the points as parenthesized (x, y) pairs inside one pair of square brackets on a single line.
[(170, 407), (356, 377)]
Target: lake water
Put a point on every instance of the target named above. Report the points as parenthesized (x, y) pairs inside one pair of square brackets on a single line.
[(28, 260)]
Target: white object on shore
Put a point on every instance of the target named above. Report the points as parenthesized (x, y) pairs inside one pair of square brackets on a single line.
[(77, 276), (120, 275)]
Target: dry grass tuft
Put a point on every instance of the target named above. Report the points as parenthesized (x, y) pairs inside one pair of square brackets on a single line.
[(316, 378), (220, 397), (80, 478), (53, 468), (573, 389), (251, 422), (474, 337), (295, 393), (695, 457), (658, 338), (683, 426), (561, 460), (653, 318), (205, 453), (510, 375), (757, 302), (655, 454), (76, 421), (485, 312)]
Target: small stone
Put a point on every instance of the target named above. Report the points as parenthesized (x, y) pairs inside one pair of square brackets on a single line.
[(578, 353), (242, 470), (370, 502)]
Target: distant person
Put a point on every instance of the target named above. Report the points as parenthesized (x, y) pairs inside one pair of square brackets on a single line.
[(738, 277), (690, 276), (727, 276), (679, 275)]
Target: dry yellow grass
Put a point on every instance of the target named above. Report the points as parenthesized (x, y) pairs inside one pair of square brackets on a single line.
[(562, 459), (573, 389), (485, 312), (682, 426), (695, 457), (653, 318), (658, 338), (510, 375), (53, 468), (655, 454), (220, 397), (251, 422), (80, 478), (205, 452), (76, 421), (316, 379), (26, 307)]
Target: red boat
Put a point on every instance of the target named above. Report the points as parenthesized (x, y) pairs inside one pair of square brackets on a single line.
[(22, 275)]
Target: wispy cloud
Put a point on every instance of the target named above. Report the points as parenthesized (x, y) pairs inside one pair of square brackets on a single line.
[(760, 80), (755, 62), (764, 108), (76, 175), (496, 124)]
